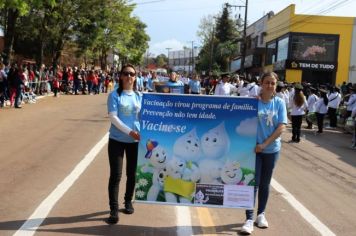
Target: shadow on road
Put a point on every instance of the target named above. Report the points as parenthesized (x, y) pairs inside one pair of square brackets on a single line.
[(60, 225), (335, 141)]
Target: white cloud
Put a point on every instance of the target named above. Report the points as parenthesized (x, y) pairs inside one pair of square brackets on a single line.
[(161, 47), (246, 127)]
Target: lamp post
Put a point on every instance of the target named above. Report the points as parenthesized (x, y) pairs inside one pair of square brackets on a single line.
[(168, 55), (243, 53)]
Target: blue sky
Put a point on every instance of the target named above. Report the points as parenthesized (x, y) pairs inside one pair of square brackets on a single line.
[(174, 23)]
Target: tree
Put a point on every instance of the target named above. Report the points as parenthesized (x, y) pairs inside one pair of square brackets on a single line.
[(219, 42), (161, 60), (10, 12)]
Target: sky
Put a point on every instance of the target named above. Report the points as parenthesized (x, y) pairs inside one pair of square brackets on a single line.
[(174, 23)]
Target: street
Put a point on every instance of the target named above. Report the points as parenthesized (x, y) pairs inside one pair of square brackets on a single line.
[(41, 144)]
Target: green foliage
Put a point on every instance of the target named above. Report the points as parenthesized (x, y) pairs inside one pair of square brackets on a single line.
[(219, 46), (96, 27)]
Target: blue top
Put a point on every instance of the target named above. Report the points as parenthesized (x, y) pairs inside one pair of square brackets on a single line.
[(194, 85), (128, 107), (172, 84), (270, 115), (139, 83)]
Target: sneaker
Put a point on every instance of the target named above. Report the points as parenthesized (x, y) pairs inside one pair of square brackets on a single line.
[(247, 228), (129, 208), (113, 218), (261, 221)]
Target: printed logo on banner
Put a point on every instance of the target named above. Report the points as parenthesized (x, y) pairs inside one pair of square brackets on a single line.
[(193, 147)]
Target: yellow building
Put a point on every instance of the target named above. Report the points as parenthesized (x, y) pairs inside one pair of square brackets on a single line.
[(310, 48)]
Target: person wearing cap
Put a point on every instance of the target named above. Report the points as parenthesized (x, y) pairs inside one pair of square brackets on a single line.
[(321, 108), (253, 88), (271, 122), (224, 88), (242, 90), (312, 99), (298, 107), (281, 92), (334, 103)]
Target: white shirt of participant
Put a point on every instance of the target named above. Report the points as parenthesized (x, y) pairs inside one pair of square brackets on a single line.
[(334, 100), (312, 99)]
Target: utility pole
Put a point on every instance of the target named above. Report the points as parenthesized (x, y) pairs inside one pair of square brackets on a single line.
[(192, 58), (211, 49), (243, 53), (168, 55)]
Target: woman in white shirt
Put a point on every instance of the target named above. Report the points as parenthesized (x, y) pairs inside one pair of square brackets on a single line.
[(333, 105), (312, 99), (298, 107), (224, 88), (321, 108)]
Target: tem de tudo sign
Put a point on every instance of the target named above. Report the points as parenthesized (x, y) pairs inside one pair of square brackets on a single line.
[(311, 65)]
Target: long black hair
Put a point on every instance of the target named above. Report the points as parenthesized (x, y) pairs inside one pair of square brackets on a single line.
[(120, 88)]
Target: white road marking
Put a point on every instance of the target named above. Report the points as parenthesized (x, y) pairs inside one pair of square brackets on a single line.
[(303, 211), (184, 222), (40, 214)]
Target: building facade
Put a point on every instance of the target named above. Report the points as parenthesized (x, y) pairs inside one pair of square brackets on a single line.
[(183, 60), (255, 47), (310, 48)]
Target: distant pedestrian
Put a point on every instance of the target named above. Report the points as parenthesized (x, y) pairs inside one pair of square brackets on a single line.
[(124, 106), (312, 99), (321, 108), (334, 103), (195, 85), (298, 107)]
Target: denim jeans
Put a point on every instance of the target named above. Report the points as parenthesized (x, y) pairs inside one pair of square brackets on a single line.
[(265, 163), (116, 151)]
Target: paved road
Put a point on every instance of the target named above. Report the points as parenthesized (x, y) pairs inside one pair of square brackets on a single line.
[(42, 143)]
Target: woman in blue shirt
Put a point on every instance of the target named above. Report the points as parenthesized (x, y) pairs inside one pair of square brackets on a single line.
[(124, 105), (272, 118)]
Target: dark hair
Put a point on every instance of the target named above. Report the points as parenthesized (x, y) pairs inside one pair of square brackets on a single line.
[(325, 98), (120, 88)]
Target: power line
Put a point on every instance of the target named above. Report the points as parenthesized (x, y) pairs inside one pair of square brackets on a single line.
[(149, 2), (281, 28)]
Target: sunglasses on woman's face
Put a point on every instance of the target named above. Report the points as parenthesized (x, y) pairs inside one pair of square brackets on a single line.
[(127, 73)]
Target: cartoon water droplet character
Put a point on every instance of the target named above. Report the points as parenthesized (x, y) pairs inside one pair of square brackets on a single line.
[(156, 155), (231, 173), (199, 198), (215, 143), (187, 146), (157, 184)]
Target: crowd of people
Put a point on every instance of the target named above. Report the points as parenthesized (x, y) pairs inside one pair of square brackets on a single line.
[(23, 83)]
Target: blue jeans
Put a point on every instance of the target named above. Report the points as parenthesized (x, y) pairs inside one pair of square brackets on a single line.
[(265, 163)]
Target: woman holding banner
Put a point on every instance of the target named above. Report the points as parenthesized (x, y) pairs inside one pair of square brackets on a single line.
[(272, 118), (124, 105)]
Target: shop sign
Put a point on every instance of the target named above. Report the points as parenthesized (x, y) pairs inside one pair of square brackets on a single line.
[(308, 65)]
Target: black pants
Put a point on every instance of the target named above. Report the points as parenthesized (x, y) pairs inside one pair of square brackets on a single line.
[(116, 155), (320, 121), (296, 125), (332, 117)]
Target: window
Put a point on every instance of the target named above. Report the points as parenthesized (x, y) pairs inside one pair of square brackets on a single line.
[(282, 51), (271, 53), (313, 47)]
